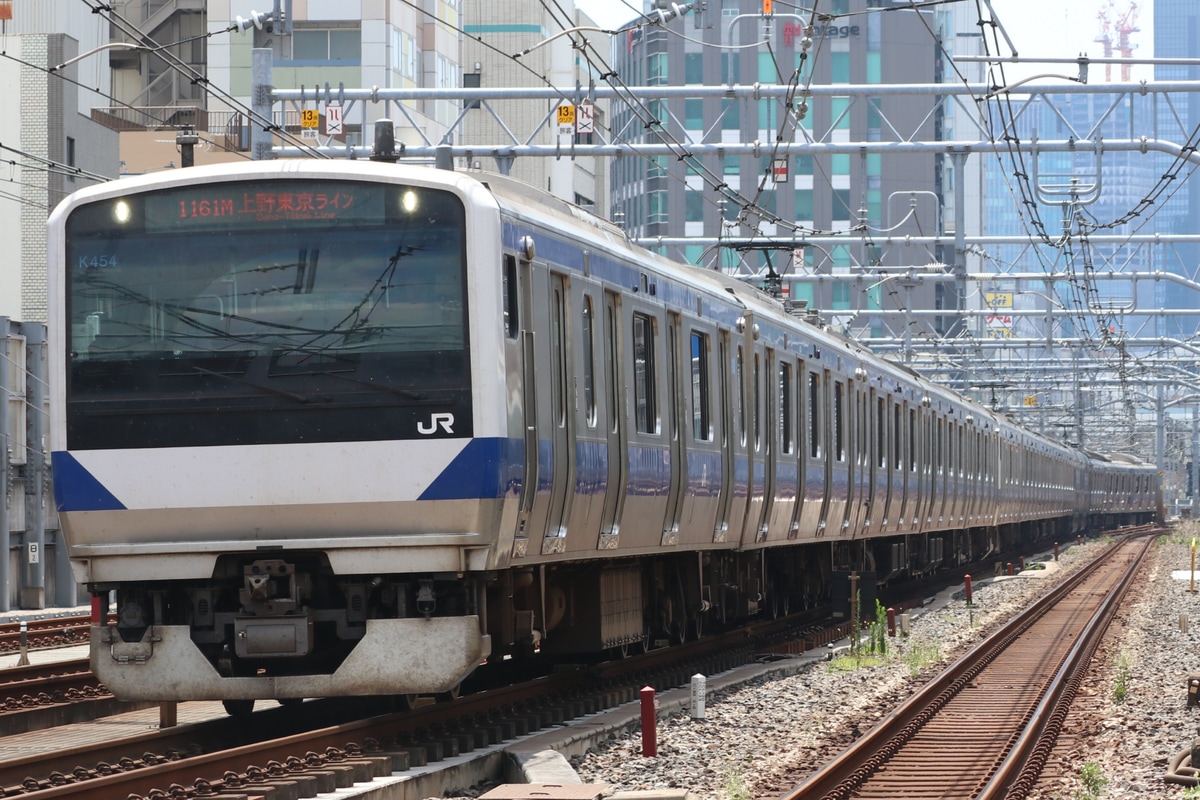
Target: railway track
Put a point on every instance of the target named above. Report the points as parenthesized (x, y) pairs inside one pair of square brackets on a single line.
[(329, 744), (325, 741), (44, 632), (983, 728), (36, 685)]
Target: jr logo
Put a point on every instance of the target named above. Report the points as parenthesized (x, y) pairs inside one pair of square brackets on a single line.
[(442, 420)]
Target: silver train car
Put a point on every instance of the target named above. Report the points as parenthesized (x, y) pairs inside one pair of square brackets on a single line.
[(351, 428)]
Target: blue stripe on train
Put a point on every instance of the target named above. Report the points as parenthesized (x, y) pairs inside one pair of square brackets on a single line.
[(486, 468), (76, 489)]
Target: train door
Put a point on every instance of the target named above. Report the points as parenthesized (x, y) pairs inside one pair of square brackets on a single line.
[(556, 424), (739, 438), (648, 452), (676, 447), (788, 461), (882, 481), (548, 453), (838, 484), (895, 465), (588, 492), (908, 470), (875, 499), (857, 459), (768, 410), (527, 525), (701, 495), (759, 447), (724, 435), (928, 468), (815, 495), (615, 430), (952, 494), (799, 450), (977, 477), (939, 472)]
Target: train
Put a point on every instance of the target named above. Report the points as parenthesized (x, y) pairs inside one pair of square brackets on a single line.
[(354, 428)]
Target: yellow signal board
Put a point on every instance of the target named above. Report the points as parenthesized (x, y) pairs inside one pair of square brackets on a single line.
[(998, 299)]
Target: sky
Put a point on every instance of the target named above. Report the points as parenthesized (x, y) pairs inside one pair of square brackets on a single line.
[(1038, 28)]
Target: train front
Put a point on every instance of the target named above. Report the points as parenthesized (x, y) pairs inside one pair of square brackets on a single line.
[(267, 436)]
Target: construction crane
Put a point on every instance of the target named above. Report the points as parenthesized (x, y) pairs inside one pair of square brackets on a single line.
[(1122, 25)]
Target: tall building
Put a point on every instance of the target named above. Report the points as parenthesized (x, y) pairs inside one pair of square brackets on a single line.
[(1177, 35), (730, 42), (350, 43), (50, 134), (529, 27), (1111, 184)]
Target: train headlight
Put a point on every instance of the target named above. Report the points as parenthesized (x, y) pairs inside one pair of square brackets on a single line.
[(408, 201), (122, 212)]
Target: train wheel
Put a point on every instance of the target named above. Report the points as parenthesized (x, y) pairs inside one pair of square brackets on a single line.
[(406, 702), (238, 708), (698, 625), (451, 694)]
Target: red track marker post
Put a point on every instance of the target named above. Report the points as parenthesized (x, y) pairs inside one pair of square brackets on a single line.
[(891, 616), (967, 588), (649, 723)]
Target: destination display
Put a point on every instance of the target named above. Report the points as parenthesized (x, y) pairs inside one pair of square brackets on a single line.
[(226, 206)]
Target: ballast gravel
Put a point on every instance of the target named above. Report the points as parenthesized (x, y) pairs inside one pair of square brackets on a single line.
[(1130, 718)]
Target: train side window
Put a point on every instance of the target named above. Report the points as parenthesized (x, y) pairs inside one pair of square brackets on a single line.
[(739, 393), (937, 446), (862, 431), (839, 421), (614, 370), (511, 318), (912, 440), (645, 381), (756, 408), (814, 415), (723, 377), (951, 455), (701, 427), (897, 436), (786, 438), (965, 452), (559, 345), (801, 408), (589, 362), (880, 432)]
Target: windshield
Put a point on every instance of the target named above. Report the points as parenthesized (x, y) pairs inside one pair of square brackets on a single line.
[(279, 311)]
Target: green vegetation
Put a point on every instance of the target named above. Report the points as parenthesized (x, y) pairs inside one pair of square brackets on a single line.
[(735, 786), (922, 653), (1120, 690), (1183, 532), (853, 661), (1191, 793), (878, 631), (1093, 781)]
